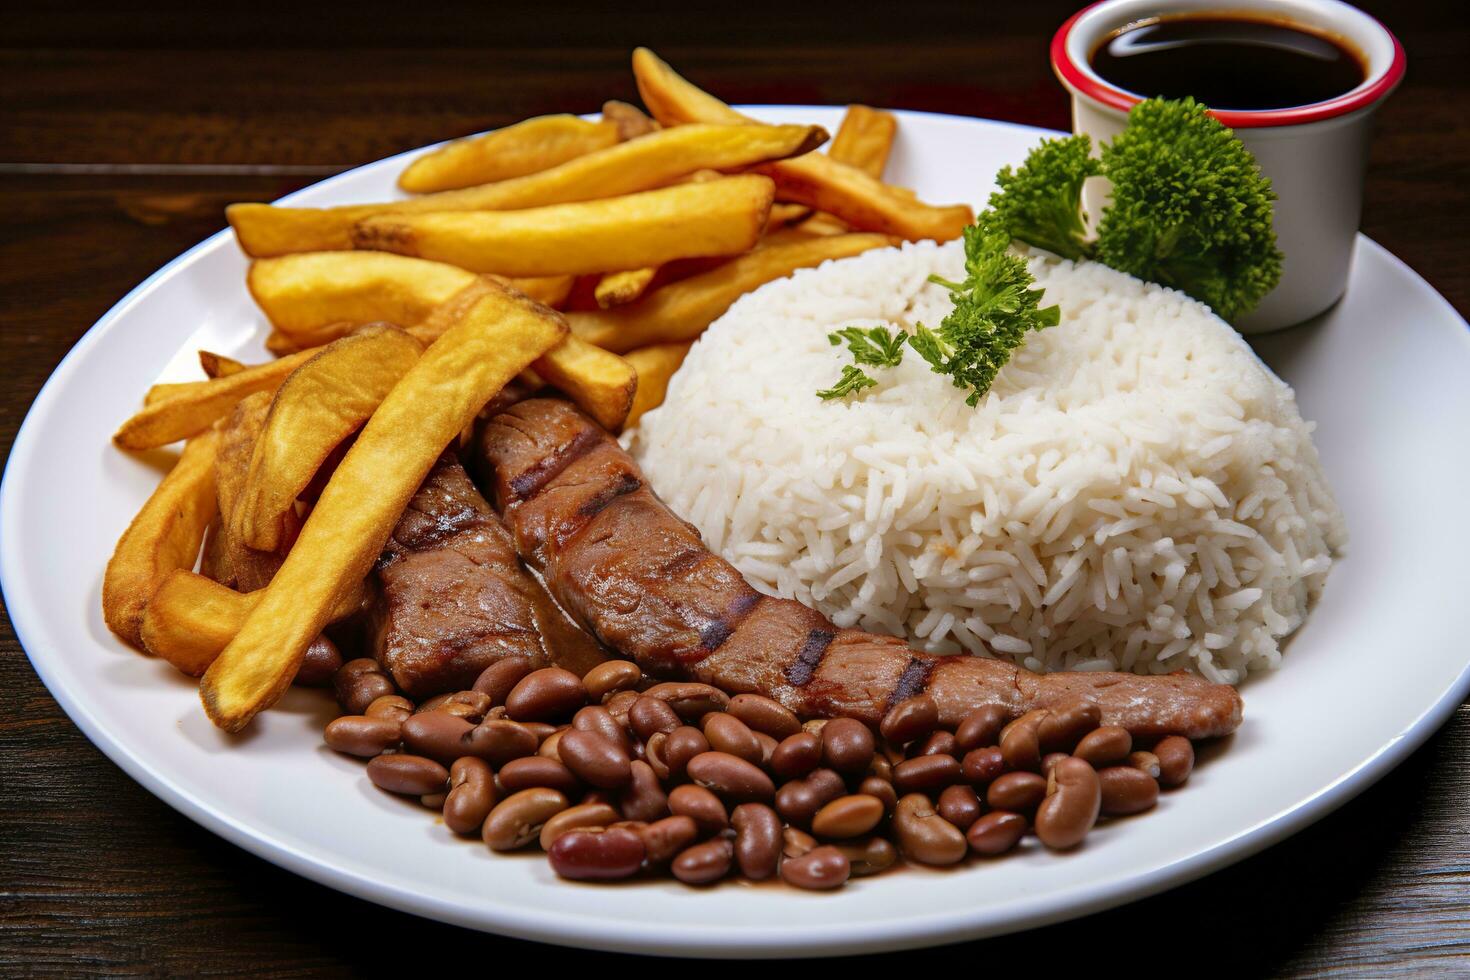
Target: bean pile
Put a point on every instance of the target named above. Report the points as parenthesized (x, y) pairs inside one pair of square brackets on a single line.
[(613, 775)]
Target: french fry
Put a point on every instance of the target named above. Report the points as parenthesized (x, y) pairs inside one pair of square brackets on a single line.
[(218, 365), (164, 535), (195, 406), (618, 288), (527, 147), (228, 559), (680, 311), (440, 395), (814, 179), (191, 618), (323, 402), (865, 139), (631, 121), (655, 160), (721, 217), (601, 383), (655, 365)]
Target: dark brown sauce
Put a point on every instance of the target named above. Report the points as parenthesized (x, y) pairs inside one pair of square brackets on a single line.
[(1228, 62)]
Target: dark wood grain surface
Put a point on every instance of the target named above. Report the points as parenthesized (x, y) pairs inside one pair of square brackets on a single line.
[(125, 129)]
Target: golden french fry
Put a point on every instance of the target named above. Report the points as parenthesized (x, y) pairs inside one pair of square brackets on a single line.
[(191, 618), (655, 160), (196, 405), (228, 559), (721, 217), (527, 147), (601, 383), (218, 365), (323, 402), (865, 139), (440, 395), (655, 365), (784, 215), (680, 311), (618, 288), (313, 298), (164, 535), (814, 179), (631, 121)]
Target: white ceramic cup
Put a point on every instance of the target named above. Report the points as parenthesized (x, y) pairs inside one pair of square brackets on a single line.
[(1314, 154)]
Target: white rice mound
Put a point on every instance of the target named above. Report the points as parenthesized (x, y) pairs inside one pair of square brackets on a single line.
[(1136, 492)]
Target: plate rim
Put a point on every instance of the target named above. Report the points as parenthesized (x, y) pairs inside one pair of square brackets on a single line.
[(650, 939)]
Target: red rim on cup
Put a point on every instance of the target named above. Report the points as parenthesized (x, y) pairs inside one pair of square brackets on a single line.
[(1073, 45)]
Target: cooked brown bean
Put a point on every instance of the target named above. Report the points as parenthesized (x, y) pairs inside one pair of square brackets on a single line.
[(469, 705), (1126, 790), (550, 692), (537, 770), (411, 775), (800, 799), (704, 863), (595, 759), (650, 715), (610, 676), (361, 735), (541, 729), (729, 734), (980, 728), (1019, 791), (960, 806), (1065, 724), (644, 799), (797, 755), (653, 754), (319, 664), (437, 734), (550, 745), (847, 745), (848, 816), (912, 718), (496, 680), (1020, 741), (597, 855), (821, 869), (499, 741), (1145, 761), (358, 683), (938, 743), (619, 703), (762, 714), (768, 748), (982, 765), (664, 838), (757, 840), (1065, 817), (1051, 759), (1176, 760), (683, 744), (731, 777), (869, 857), (596, 718), (390, 706), (882, 789), (471, 795), (996, 832), (689, 700), (434, 801), (1104, 746), (704, 807), (924, 835), (814, 725), (577, 817), (598, 796), (796, 842), (517, 820), (881, 767), (926, 773)]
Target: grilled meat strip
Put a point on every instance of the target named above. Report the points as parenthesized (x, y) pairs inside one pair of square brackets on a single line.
[(642, 580), (453, 598)]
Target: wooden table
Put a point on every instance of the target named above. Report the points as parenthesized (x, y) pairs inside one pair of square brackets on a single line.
[(123, 136)]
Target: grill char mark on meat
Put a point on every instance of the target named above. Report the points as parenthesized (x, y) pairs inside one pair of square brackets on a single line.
[(452, 596), (643, 581)]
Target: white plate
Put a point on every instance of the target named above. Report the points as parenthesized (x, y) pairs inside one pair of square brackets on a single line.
[(1378, 667)]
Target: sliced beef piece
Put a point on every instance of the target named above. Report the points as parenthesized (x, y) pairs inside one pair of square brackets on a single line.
[(452, 597)]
